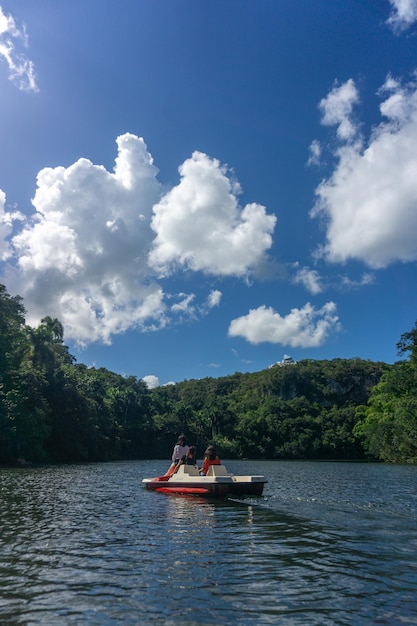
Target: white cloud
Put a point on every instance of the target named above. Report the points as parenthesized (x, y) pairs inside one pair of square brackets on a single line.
[(13, 41), (83, 257), (404, 13), (184, 305), (369, 203), (310, 279), (315, 153), (214, 298), (151, 381), (301, 328), (7, 219), (200, 226), (337, 108), (5, 228), (348, 283)]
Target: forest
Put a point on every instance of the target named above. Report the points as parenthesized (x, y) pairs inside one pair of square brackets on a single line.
[(54, 410)]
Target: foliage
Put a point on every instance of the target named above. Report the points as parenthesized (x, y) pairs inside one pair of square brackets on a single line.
[(53, 409), (387, 426)]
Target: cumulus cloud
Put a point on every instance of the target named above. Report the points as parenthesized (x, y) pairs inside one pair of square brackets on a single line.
[(403, 14), (309, 278), (151, 381), (7, 219), (83, 256), (13, 41), (336, 109), (5, 228), (301, 328), (200, 226), (369, 203)]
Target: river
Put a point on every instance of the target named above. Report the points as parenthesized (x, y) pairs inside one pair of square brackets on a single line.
[(326, 544)]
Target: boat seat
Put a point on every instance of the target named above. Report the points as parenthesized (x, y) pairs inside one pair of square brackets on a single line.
[(217, 470), (188, 470)]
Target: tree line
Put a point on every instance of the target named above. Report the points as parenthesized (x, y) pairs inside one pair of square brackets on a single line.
[(53, 409)]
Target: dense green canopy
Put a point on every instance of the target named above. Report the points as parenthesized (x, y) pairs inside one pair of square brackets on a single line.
[(55, 410), (388, 424)]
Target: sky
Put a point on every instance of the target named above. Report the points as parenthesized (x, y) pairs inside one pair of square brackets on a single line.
[(196, 188)]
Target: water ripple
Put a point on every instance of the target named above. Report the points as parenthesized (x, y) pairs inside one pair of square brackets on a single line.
[(327, 544)]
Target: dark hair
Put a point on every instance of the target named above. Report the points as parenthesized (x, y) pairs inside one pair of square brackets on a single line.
[(192, 450), (211, 453), (181, 440)]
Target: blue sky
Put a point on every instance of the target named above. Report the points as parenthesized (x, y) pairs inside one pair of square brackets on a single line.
[(200, 187)]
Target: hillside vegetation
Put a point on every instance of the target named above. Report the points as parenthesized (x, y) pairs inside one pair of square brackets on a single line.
[(55, 410)]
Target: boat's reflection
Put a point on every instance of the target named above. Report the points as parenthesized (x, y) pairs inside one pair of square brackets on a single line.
[(191, 513)]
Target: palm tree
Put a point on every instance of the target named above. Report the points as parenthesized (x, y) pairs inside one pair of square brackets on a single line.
[(54, 327)]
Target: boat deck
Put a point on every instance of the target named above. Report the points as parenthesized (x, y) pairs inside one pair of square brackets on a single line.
[(217, 482)]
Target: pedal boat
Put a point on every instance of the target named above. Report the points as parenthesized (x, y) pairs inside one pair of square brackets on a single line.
[(217, 483)]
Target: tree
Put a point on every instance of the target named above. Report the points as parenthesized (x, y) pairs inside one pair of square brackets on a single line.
[(12, 347), (387, 426), (408, 343)]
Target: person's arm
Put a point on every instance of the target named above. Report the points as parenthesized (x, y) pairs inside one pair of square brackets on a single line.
[(177, 466), (174, 453), (205, 466)]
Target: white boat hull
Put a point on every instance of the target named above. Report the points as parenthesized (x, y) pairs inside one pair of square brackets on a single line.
[(217, 483)]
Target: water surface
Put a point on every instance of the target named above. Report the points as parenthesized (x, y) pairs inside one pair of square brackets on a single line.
[(327, 543)]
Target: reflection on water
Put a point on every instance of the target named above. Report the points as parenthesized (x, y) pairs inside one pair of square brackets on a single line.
[(328, 543)]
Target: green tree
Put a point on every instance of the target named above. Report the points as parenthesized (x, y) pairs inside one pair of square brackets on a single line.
[(387, 426), (13, 345)]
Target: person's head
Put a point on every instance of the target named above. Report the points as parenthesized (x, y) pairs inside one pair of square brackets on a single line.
[(192, 452), (181, 440), (210, 453)]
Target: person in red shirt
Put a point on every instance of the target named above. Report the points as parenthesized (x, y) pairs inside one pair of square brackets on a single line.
[(210, 458)]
